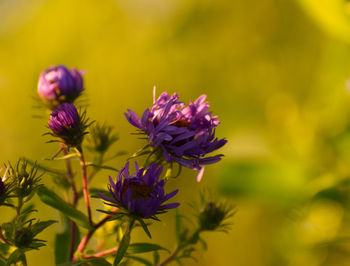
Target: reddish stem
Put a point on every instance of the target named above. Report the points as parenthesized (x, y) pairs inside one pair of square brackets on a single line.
[(101, 254), (2, 237), (83, 243), (73, 225), (85, 184)]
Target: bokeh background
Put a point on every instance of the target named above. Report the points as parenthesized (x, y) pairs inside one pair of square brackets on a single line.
[(275, 71)]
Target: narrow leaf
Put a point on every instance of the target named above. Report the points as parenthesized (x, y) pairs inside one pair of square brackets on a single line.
[(123, 246), (40, 226), (52, 199), (144, 247), (145, 228), (141, 260)]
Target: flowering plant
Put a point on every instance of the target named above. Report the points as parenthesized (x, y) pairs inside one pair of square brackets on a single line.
[(176, 134)]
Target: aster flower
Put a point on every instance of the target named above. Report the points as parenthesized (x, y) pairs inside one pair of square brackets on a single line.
[(59, 84), (66, 124), (184, 134), (140, 194)]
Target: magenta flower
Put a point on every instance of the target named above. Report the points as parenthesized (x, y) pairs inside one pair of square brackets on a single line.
[(66, 124), (140, 194), (185, 134), (59, 84)]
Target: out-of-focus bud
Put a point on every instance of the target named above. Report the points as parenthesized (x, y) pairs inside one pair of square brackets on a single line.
[(101, 138), (213, 214), (59, 84), (67, 125), (24, 237)]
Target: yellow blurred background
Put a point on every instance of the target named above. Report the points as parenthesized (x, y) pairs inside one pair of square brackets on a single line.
[(275, 71)]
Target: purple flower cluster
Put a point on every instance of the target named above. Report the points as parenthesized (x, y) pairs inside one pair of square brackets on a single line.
[(140, 193), (59, 84), (66, 124), (185, 134)]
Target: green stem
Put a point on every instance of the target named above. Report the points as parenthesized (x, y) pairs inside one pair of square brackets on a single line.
[(190, 241)]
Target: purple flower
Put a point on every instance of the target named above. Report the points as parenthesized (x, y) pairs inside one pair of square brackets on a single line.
[(185, 134), (66, 124), (59, 84), (140, 193)]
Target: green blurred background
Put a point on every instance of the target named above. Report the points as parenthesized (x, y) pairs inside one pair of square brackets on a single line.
[(275, 71)]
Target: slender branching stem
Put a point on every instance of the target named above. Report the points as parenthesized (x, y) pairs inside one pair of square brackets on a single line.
[(112, 250), (189, 241), (73, 225), (85, 183), (85, 240), (102, 253), (171, 257)]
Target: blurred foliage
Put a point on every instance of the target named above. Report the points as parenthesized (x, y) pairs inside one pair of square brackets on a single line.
[(275, 72)]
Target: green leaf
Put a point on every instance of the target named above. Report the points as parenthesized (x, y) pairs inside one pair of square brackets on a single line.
[(141, 260), (144, 247), (63, 240), (40, 226), (52, 199), (123, 246), (17, 256), (145, 228)]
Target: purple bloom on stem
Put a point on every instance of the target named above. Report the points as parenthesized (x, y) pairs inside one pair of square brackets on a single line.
[(66, 124), (185, 134), (140, 193), (59, 84)]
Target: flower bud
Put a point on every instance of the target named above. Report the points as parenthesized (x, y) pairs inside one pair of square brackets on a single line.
[(24, 181), (24, 237), (211, 217), (59, 84), (101, 138), (66, 124)]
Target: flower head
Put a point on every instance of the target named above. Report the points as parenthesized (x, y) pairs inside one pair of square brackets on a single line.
[(185, 134), (142, 193), (59, 84), (66, 124)]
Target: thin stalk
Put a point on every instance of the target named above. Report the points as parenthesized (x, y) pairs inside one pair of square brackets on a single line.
[(190, 241), (85, 184), (2, 237), (73, 226), (101, 254), (85, 240), (112, 250), (171, 257)]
